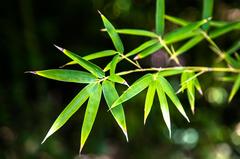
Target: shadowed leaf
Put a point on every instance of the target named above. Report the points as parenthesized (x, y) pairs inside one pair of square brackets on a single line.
[(149, 100), (235, 88), (159, 18)]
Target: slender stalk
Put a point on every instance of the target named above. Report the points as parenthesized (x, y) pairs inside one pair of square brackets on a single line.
[(190, 68)]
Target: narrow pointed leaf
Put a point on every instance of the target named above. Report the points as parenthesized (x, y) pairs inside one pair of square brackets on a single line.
[(142, 47), (137, 32), (184, 32), (235, 88), (117, 79), (191, 92), (225, 29), (159, 18), (176, 20), (94, 69), (67, 75), (167, 88), (164, 105), (110, 95), (107, 67), (114, 63), (172, 72), (113, 34), (90, 113), (189, 44), (148, 51), (234, 48), (71, 108), (134, 89), (198, 86), (207, 12), (149, 100)]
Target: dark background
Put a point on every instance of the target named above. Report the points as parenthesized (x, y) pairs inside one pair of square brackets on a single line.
[(30, 104)]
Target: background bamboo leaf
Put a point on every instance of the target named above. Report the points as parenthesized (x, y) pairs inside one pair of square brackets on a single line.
[(149, 100), (90, 113), (164, 105), (67, 75), (207, 12), (152, 49), (225, 29), (167, 88), (235, 88), (113, 34), (134, 89), (137, 32), (172, 72), (176, 20), (94, 69), (159, 18), (70, 109), (111, 95), (235, 47)]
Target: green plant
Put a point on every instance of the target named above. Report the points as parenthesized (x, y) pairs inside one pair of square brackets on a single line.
[(98, 82)]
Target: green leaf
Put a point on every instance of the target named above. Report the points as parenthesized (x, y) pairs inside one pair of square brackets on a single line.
[(207, 12), (167, 88), (160, 12), (71, 108), (137, 32), (148, 51), (67, 75), (234, 48), (110, 95), (198, 86), (191, 91), (225, 29), (117, 79), (235, 88), (134, 89), (114, 63), (189, 44), (184, 32), (149, 100), (93, 56), (113, 34), (176, 20), (142, 47), (90, 113), (94, 69), (164, 105)]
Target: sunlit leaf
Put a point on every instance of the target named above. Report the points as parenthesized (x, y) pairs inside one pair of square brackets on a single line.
[(225, 29), (149, 100), (159, 18), (114, 63), (176, 20), (171, 72), (113, 34), (183, 32), (67, 75), (142, 47), (167, 88), (71, 108), (111, 95), (207, 12), (235, 88), (191, 92), (148, 51), (90, 113), (137, 32), (164, 105), (134, 89), (94, 69)]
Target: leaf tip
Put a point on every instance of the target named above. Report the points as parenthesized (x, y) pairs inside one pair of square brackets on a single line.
[(59, 48), (99, 12), (136, 57), (32, 72)]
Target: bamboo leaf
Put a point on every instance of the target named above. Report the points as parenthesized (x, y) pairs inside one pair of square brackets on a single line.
[(176, 20), (71, 108), (90, 113), (113, 34), (164, 105), (67, 75), (184, 32), (149, 100), (191, 92), (167, 88), (137, 32), (117, 79), (198, 86), (235, 88), (114, 63), (207, 12), (94, 69), (225, 29), (134, 89), (148, 51), (234, 48), (160, 12), (111, 95), (142, 47), (172, 72)]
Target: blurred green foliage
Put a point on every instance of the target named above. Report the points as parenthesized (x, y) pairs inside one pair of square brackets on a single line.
[(29, 105)]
